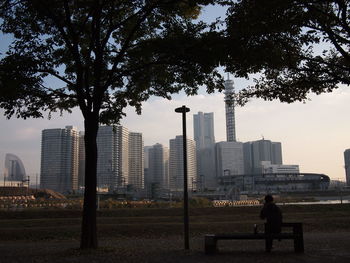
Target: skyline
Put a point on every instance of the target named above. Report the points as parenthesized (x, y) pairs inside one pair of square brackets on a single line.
[(314, 135)]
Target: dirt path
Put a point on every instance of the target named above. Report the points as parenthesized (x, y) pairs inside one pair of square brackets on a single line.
[(319, 247)]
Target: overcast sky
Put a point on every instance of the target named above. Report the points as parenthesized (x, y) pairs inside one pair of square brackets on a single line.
[(314, 135)]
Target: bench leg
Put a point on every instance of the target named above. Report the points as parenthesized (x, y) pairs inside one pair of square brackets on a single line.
[(210, 245), (299, 238), (268, 244), (299, 244)]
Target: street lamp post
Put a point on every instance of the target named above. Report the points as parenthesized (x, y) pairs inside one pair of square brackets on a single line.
[(183, 110)]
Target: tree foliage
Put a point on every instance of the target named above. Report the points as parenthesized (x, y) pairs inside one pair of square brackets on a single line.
[(105, 54), (299, 46)]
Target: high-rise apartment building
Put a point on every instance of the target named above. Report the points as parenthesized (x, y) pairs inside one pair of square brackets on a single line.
[(113, 157), (347, 166), (136, 160), (158, 167), (146, 164), (203, 128), (176, 168), (59, 159), (262, 150), (229, 158), (230, 111), (81, 169)]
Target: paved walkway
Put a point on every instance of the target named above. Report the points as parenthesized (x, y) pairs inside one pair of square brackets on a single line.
[(319, 248)]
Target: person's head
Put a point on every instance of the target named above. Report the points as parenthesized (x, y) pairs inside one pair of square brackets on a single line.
[(268, 199)]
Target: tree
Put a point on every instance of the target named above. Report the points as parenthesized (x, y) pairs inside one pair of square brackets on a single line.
[(107, 54), (298, 47)]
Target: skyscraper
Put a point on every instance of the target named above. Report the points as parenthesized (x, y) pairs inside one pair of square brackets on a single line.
[(113, 157), (59, 159), (176, 169), (158, 166), (81, 169), (230, 111), (347, 166), (136, 160), (203, 128)]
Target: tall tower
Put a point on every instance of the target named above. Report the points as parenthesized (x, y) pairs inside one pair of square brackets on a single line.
[(81, 169), (113, 157), (230, 111), (136, 160), (176, 170), (203, 128), (59, 159), (159, 166)]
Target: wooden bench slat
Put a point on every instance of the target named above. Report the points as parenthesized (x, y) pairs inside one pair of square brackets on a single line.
[(252, 236)]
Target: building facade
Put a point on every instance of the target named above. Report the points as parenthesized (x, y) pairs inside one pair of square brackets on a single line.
[(256, 152), (274, 183), (268, 168), (136, 161), (203, 128), (229, 158), (81, 169), (347, 166), (113, 158), (158, 180), (176, 167), (59, 159), (14, 168)]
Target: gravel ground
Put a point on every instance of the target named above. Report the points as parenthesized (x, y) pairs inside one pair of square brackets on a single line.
[(319, 247)]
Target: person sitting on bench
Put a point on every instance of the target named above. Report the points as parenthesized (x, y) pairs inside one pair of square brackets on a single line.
[(273, 215)]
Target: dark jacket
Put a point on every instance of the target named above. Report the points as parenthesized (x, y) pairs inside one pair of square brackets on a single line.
[(273, 215)]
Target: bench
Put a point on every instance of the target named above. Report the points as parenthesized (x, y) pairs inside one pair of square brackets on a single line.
[(210, 241)]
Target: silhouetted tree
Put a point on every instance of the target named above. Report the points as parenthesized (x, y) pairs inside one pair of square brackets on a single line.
[(105, 54), (299, 46)]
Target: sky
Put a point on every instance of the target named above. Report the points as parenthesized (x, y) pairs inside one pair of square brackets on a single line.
[(314, 134)]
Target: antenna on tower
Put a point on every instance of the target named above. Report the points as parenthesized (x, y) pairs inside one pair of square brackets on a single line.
[(262, 137)]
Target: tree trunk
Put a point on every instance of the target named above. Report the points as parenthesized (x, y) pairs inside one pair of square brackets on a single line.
[(89, 226)]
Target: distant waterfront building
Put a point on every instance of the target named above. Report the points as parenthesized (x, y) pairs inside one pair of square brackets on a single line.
[(176, 169), (268, 168), (158, 168), (59, 159), (347, 166), (275, 182), (203, 128), (136, 161), (14, 168), (229, 158), (113, 158), (262, 150), (230, 111)]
